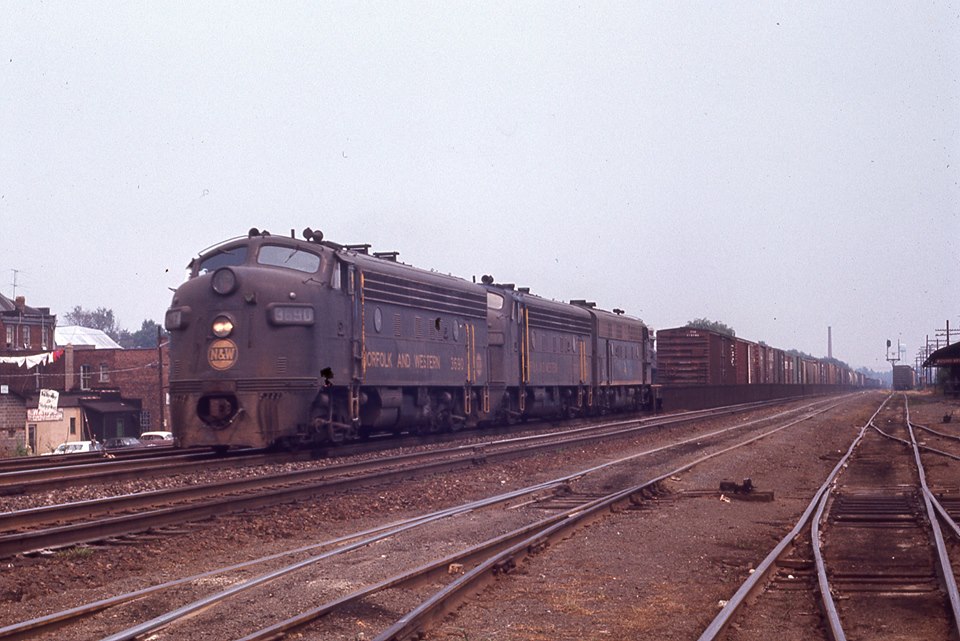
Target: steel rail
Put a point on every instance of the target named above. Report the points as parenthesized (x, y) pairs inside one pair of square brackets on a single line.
[(375, 534), (820, 501), (766, 567), (27, 463), (413, 624), (417, 574), (73, 534), (36, 475), (84, 532), (521, 541), (946, 569), (46, 478), (834, 625), (138, 500), (442, 564), (952, 437), (167, 618), (944, 515), (62, 477), (921, 446)]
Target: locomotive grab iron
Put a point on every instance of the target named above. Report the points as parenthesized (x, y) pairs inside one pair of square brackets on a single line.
[(280, 341)]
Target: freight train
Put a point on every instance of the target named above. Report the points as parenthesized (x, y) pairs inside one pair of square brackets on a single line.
[(277, 340), (904, 377), (696, 356)]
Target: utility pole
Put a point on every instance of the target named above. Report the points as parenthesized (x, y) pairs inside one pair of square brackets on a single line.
[(162, 398), (944, 332)]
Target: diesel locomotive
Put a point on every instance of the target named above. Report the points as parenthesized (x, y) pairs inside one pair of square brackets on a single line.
[(281, 341)]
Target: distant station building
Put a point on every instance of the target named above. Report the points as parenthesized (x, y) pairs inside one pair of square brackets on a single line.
[(947, 361)]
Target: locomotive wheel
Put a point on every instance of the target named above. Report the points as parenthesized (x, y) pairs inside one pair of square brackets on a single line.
[(335, 435), (340, 430), (442, 422), (423, 429)]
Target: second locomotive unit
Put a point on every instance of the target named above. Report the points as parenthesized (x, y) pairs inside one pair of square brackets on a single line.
[(282, 341)]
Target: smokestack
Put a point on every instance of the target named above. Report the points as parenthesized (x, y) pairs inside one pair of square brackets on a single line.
[(829, 342)]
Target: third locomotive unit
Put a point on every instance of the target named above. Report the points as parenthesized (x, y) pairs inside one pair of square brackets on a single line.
[(278, 340)]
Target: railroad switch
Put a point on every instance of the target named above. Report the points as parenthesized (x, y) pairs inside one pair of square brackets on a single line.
[(737, 488), (745, 491)]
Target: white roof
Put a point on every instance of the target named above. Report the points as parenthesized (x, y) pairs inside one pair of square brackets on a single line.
[(76, 335)]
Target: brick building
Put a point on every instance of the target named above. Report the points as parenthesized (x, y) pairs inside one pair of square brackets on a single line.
[(13, 410), (114, 392), (24, 328), (102, 392), (23, 331)]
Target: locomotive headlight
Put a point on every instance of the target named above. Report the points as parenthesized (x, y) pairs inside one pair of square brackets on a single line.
[(222, 327)]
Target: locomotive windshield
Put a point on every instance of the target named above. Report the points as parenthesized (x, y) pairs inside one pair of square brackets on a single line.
[(229, 257), (289, 257)]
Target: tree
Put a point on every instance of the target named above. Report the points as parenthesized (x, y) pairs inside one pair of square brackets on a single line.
[(101, 319), (146, 336), (713, 326)]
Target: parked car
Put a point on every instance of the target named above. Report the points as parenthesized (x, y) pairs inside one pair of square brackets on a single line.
[(154, 439), (76, 447), (122, 443)]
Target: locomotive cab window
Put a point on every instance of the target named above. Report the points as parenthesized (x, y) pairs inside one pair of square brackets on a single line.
[(494, 301), (289, 257), (226, 258)]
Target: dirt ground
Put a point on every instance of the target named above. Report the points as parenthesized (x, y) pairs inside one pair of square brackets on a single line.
[(654, 573), (664, 573)]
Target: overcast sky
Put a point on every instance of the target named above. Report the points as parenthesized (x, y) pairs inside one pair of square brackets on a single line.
[(779, 167)]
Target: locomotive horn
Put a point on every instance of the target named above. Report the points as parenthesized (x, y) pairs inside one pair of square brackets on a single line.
[(315, 236), (253, 232)]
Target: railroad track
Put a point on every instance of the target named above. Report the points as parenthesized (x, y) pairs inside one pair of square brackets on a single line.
[(26, 475), (446, 577), (868, 556), (74, 523), (27, 463), (100, 470)]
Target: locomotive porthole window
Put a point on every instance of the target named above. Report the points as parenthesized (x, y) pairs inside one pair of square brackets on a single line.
[(378, 319)]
